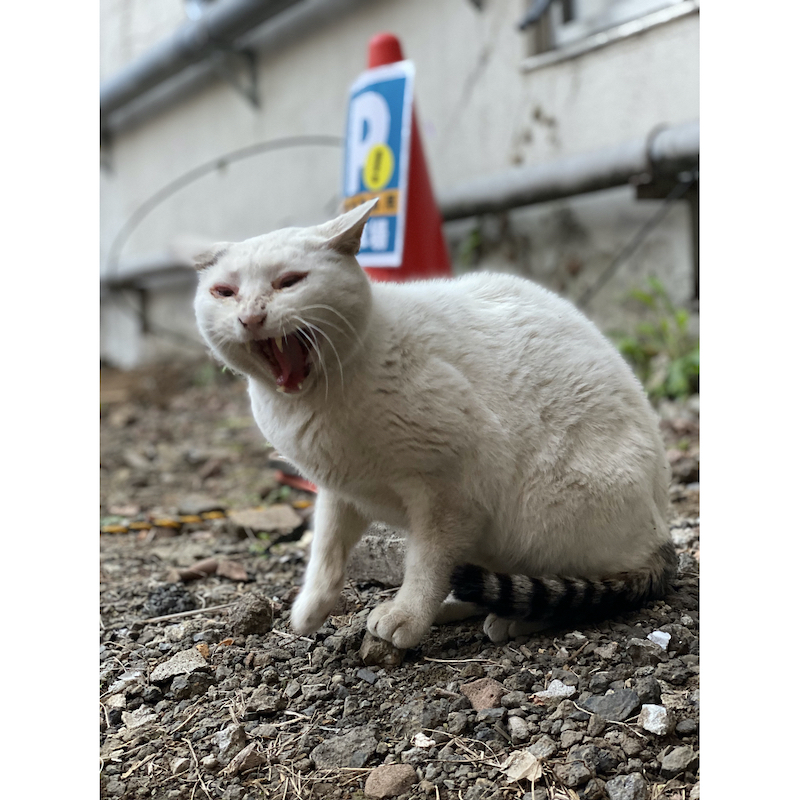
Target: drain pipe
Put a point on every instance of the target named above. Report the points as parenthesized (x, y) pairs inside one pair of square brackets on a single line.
[(219, 27), (666, 152)]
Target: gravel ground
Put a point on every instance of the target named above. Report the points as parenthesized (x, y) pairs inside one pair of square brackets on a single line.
[(206, 693)]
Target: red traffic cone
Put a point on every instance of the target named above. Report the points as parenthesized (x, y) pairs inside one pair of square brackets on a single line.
[(425, 253)]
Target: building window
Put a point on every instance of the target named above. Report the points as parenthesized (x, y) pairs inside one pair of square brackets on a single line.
[(552, 25)]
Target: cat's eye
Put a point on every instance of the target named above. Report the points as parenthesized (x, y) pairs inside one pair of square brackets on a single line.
[(289, 279), (223, 290)]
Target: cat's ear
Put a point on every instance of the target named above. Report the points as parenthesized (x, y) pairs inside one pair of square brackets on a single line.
[(210, 256), (344, 232)]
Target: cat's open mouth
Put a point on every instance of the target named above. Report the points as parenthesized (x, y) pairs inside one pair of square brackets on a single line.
[(287, 357)]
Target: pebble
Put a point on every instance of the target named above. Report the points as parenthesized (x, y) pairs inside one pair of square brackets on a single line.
[(679, 760), (352, 749), (543, 748), (180, 664), (661, 638), (230, 741), (390, 780), (614, 707), (656, 719), (643, 651), (251, 615), (518, 729), (556, 691), (484, 693), (627, 787), (377, 652)]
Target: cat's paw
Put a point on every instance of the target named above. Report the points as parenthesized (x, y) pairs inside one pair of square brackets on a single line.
[(500, 629), (310, 611), (396, 624)]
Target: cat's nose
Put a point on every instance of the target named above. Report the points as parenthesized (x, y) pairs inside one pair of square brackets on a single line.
[(253, 321)]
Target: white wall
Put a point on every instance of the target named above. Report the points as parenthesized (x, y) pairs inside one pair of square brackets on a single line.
[(480, 112)]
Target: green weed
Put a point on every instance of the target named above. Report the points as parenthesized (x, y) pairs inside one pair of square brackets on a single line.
[(662, 351)]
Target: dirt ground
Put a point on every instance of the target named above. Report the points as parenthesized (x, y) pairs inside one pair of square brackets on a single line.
[(206, 693)]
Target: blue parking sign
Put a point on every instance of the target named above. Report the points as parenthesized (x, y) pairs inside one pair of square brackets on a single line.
[(376, 159)]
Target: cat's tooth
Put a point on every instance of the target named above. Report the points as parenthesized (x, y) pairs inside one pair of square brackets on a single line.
[(282, 389), (247, 345), (279, 343), (299, 386)]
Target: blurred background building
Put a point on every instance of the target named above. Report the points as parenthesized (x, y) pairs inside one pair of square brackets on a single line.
[(561, 138)]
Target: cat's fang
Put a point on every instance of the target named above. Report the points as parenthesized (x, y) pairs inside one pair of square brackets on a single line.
[(279, 343), (247, 345)]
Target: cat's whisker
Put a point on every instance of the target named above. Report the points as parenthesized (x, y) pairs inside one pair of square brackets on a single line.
[(315, 346), (338, 314), (333, 347), (328, 323)]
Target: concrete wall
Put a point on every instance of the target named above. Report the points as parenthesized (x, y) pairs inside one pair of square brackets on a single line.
[(480, 110)]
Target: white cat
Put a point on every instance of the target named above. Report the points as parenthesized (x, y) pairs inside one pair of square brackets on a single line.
[(483, 414)]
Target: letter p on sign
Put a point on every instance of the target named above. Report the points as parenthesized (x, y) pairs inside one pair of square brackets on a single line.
[(377, 158)]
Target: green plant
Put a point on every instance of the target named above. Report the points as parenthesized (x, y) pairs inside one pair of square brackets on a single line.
[(662, 351)]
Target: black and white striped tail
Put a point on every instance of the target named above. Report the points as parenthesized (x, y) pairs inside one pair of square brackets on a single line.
[(556, 600)]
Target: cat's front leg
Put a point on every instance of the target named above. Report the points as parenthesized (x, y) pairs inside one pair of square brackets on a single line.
[(436, 543), (404, 620), (337, 527)]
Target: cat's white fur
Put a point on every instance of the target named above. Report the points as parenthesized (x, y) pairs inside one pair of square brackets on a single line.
[(483, 414)]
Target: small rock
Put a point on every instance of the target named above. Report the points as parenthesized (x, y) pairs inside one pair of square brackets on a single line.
[(518, 730), (136, 719), (252, 614), (179, 765), (265, 700), (457, 722), (421, 740), (352, 749), (607, 650), (484, 693), (367, 675), (210, 763), (572, 773), (648, 689), (377, 652), (596, 726), (379, 557), (679, 760), (292, 689), (390, 780), (614, 707), (686, 727), (656, 719), (230, 741), (180, 664), (417, 715), (556, 692), (192, 685), (627, 787), (543, 748), (661, 638), (245, 760), (643, 652)]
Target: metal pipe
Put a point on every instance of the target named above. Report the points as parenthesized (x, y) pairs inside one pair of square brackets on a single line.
[(667, 151), (221, 25)]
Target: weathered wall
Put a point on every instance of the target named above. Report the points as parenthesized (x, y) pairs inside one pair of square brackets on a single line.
[(480, 112)]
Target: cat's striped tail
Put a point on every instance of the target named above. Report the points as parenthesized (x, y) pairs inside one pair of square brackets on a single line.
[(555, 600)]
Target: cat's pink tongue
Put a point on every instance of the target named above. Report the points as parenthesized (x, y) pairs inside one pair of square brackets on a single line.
[(292, 362)]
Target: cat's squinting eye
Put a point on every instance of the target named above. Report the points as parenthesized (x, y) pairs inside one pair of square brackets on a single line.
[(222, 290), (289, 279)]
